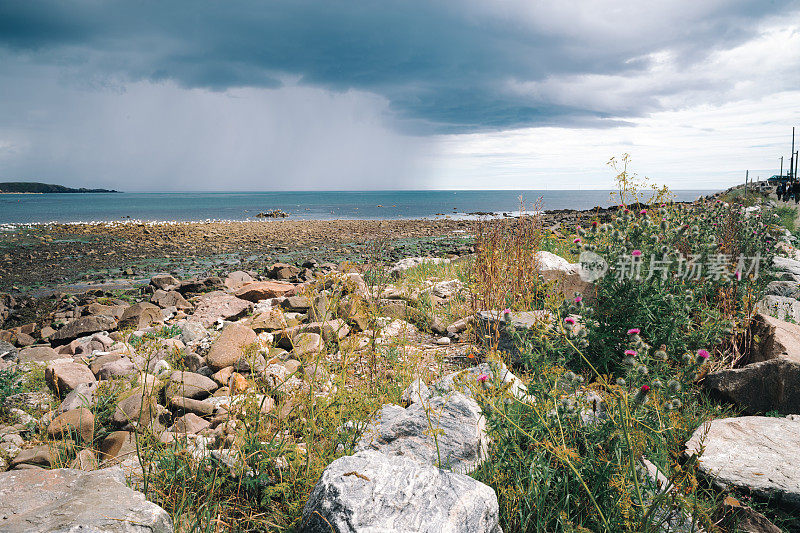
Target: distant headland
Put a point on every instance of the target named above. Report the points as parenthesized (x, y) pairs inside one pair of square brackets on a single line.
[(29, 187)]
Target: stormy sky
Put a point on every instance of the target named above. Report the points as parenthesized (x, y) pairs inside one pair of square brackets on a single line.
[(447, 94)]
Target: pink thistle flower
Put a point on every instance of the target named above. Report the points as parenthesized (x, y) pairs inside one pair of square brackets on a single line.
[(636, 253), (634, 331), (703, 354), (576, 240), (645, 389), (643, 212), (569, 320), (630, 352), (483, 378), (506, 311), (578, 299)]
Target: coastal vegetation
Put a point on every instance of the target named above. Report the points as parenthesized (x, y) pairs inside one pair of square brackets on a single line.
[(231, 420)]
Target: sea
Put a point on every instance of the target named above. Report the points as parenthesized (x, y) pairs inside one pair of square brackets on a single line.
[(307, 205)]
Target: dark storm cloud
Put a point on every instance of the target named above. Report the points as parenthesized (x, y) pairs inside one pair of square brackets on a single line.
[(444, 66)]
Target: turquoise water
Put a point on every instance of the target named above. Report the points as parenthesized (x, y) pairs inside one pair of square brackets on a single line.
[(327, 205)]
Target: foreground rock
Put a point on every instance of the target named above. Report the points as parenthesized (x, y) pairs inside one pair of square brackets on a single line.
[(772, 385), (778, 338), (215, 305), (456, 420), (230, 346), (374, 492), (752, 453), (67, 500), (83, 326)]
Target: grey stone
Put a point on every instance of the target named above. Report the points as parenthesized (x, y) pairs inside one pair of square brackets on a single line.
[(140, 316), (456, 422), (80, 396), (372, 492), (789, 289), (192, 331), (776, 339), (37, 354), (492, 328), (215, 305), (772, 385), (190, 385), (83, 326), (8, 352), (752, 453), (781, 307), (464, 380), (417, 391), (66, 500)]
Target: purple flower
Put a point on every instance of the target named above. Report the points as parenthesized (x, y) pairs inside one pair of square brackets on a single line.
[(643, 212), (483, 378), (703, 354), (636, 253), (578, 299), (577, 240), (630, 352), (569, 320), (633, 331)]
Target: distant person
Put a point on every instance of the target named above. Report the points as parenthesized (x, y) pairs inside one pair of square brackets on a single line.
[(780, 190), (796, 191)]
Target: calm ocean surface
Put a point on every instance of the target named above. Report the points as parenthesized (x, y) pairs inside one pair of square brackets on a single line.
[(198, 206)]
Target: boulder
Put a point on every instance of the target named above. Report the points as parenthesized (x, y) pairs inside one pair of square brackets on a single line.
[(777, 338), (189, 423), (108, 310), (78, 421), (140, 316), (64, 376), (83, 326), (137, 408), (283, 271), (230, 345), (212, 306), (192, 331), (566, 275), (236, 280), (272, 320), (306, 344), (80, 396), (118, 444), (37, 354), (781, 307), (190, 385), (165, 299), (298, 304), (8, 352), (754, 454), (38, 456), (458, 423), (410, 262), (262, 290), (188, 405), (164, 282), (67, 500), (772, 385), (371, 492), (784, 288)]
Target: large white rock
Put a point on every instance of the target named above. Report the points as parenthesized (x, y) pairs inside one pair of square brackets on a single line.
[(371, 492), (446, 431), (66, 500), (781, 307), (754, 453)]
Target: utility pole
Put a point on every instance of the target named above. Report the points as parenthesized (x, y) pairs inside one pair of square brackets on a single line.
[(781, 174), (791, 159), (746, 176)]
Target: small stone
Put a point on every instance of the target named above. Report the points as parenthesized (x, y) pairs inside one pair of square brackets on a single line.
[(230, 345), (189, 423), (64, 376)]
